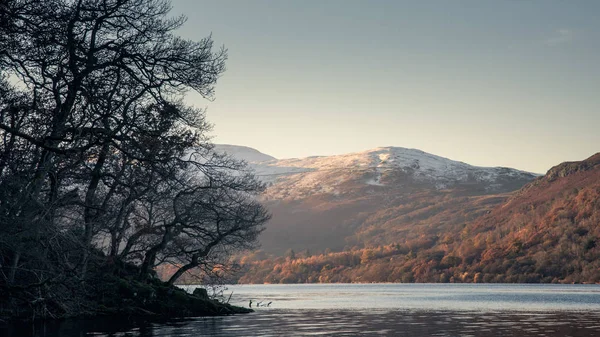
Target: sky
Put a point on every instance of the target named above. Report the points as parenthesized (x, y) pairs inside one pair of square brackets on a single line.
[(512, 83)]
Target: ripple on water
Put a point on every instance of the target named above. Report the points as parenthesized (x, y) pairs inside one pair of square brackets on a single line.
[(374, 310), (388, 323)]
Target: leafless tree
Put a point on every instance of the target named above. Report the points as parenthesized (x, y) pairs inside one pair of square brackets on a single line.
[(99, 157)]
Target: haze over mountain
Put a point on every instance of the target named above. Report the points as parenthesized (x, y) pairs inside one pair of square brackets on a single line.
[(372, 197)]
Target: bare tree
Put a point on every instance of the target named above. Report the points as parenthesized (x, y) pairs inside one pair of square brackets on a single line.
[(99, 157)]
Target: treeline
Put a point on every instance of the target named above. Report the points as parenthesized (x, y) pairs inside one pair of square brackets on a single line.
[(547, 233), (104, 172)]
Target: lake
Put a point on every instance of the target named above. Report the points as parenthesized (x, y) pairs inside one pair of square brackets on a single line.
[(373, 310)]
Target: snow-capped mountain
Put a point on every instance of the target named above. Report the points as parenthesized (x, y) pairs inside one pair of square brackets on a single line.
[(368, 197), (378, 167)]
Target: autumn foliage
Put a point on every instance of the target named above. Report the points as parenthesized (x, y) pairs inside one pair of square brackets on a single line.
[(548, 231)]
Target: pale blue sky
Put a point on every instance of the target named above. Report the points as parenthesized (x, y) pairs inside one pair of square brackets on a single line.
[(493, 83)]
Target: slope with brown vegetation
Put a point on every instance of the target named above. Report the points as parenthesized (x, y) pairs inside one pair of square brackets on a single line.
[(548, 231), (552, 225)]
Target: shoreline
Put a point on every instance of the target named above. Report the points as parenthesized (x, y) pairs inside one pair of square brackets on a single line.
[(122, 298)]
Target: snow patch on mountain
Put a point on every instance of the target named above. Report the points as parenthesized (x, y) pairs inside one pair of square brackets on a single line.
[(422, 164)]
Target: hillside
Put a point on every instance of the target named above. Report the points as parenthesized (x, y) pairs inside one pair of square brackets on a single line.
[(374, 197), (552, 224), (547, 231)]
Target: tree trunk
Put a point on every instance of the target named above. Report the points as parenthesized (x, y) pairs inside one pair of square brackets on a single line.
[(14, 266), (150, 257), (193, 264), (89, 217)]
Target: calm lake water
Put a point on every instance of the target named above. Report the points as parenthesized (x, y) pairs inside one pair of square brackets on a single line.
[(374, 310)]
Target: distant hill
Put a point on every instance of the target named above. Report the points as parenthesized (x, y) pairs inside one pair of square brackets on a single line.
[(375, 197), (547, 231), (245, 153)]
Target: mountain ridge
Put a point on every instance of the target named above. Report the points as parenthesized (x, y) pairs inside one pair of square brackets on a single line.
[(239, 151), (424, 164)]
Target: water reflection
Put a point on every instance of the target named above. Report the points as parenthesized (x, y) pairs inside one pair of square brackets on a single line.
[(299, 322), (371, 310)]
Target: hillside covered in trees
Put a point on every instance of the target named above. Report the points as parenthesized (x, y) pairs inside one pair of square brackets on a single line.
[(548, 231)]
